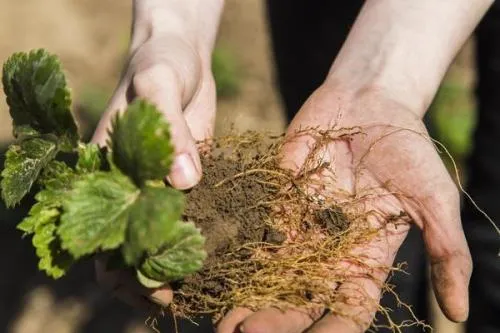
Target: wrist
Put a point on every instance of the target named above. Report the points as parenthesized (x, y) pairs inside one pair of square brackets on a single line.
[(379, 87), (193, 21), (403, 49)]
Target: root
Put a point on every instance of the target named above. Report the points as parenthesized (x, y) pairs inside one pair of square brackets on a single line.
[(325, 226), (323, 230), (249, 172)]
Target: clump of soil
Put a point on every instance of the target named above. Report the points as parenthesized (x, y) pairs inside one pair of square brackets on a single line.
[(273, 238), (230, 213)]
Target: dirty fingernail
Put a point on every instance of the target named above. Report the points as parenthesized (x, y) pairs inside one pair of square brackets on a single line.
[(184, 173)]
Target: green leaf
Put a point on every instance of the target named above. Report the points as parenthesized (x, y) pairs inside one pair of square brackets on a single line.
[(152, 217), (89, 158), (53, 260), (40, 214), (38, 98), (42, 221), (147, 282), (23, 164), (141, 143), (57, 179), (96, 212), (181, 254), (57, 176), (25, 132), (49, 200)]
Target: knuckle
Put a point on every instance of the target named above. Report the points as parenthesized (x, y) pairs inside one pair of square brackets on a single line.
[(148, 81), (210, 82)]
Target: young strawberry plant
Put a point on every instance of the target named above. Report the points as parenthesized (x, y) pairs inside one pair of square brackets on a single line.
[(250, 234), (106, 200)]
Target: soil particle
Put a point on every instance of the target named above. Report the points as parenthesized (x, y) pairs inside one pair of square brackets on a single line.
[(274, 237), (333, 220)]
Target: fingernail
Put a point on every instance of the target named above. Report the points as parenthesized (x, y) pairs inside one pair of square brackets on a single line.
[(241, 329), (184, 172), (162, 296), (158, 301)]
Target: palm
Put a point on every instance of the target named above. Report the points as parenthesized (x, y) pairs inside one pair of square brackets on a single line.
[(390, 167)]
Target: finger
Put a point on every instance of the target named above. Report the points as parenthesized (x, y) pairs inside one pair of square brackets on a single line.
[(118, 102), (200, 113), (231, 322), (358, 297), (161, 296), (332, 323), (160, 85), (451, 263), (131, 291), (135, 293), (275, 320), (430, 197), (436, 208), (120, 285), (124, 294), (356, 306)]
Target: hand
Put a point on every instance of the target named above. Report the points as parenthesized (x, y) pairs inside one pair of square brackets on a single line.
[(169, 72), (394, 156)]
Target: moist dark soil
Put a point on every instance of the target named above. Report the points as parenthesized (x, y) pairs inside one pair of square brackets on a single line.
[(231, 210)]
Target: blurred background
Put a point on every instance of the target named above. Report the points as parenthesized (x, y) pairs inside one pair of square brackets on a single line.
[(91, 38)]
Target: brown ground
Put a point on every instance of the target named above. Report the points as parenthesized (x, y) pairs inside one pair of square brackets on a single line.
[(91, 37)]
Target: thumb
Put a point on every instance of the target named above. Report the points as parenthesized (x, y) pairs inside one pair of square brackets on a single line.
[(117, 103), (160, 85)]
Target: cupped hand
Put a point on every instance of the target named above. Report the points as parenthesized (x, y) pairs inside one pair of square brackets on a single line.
[(169, 72), (392, 157)]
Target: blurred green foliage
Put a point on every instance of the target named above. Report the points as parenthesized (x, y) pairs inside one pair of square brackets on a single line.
[(453, 118), (226, 73), (90, 104)]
